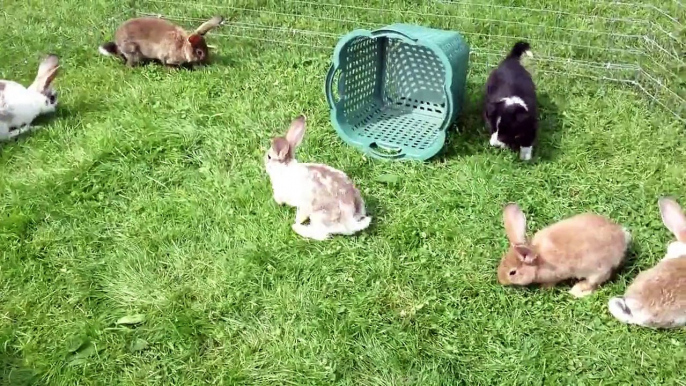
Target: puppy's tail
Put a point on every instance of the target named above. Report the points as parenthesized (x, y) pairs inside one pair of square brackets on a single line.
[(109, 49), (520, 48)]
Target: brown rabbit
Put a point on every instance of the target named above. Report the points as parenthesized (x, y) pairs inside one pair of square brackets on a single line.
[(151, 38), (586, 246), (657, 297)]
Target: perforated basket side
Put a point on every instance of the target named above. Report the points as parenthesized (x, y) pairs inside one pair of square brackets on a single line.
[(359, 83), (395, 91), (414, 79)]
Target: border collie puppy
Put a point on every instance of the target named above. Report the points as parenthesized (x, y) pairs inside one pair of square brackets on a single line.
[(510, 109)]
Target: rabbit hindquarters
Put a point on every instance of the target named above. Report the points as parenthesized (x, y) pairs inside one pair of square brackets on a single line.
[(329, 219)]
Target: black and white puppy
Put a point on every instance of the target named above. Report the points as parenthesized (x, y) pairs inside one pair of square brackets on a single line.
[(510, 110)]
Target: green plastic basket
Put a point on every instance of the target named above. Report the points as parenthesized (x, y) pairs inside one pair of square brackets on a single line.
[(394, 92)]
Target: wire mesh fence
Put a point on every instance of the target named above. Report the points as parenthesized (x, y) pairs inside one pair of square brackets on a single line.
[(638, 44)]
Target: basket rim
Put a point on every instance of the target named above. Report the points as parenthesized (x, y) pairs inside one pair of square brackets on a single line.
[(390, 31)]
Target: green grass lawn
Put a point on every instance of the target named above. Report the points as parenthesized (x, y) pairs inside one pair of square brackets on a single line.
[(146, 195)]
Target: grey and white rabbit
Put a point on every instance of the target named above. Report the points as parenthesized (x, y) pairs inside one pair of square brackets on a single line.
[(20, 105), (322, 194), (657, 297)]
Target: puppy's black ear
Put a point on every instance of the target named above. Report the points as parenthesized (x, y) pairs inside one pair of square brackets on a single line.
[(491, 109), (494, 108), (521, 114)]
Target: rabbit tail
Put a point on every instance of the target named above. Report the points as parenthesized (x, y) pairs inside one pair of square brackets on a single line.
[(109, 49)]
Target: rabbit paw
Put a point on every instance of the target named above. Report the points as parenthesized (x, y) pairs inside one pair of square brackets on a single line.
[(310, 232), (581, 289)]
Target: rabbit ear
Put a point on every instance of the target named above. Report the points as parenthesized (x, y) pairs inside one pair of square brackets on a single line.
[(209, 25), (281, 147), (50, 77), (296, 131), (46, 73), (515, 224), (673, 218), (194, 40), (525, 254)]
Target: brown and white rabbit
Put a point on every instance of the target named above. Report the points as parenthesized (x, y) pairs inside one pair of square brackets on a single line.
[(151, 38), (585, 246), (321, 193), (657, 297), (20, 105)]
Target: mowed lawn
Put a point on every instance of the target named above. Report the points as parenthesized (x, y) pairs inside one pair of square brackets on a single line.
[(145, 197)]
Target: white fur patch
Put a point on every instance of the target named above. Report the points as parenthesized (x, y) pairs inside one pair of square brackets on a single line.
[(495, 141), (529, 53), (627, 236), (525, 153), (311, 232), (637, 314), (104, 51), (676, 249), (515, 100), (22, 105), (617, 307)]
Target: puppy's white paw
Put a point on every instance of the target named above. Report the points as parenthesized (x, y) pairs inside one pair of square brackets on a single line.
[(496, 142), (525, 153)]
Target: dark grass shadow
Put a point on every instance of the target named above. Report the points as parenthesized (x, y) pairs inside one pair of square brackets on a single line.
[(376, 211), (468, 135), (548, 146), (221, 60), (630, 264), (13, 370), (226, 60)]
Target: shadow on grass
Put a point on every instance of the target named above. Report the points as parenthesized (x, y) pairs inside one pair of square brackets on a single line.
[(547, 147), (469, 135), (222, 60), (376, 211), (631, 263), (12, 369)]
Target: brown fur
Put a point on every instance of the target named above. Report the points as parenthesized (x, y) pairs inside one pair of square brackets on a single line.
[(334, 191), (586, 246), (150, 38), (657, 297), (661, 291)]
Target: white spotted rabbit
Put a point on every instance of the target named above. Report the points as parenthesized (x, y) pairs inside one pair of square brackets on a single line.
[(321, 193), (657, 297), (587, 246), (20, 105)]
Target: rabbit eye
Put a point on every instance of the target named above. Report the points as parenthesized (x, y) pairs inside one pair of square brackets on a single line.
[(513, 272), (200, 53)]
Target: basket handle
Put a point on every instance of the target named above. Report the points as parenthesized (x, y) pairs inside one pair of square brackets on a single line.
[(329, 85), (372, 148), (393, 32)]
